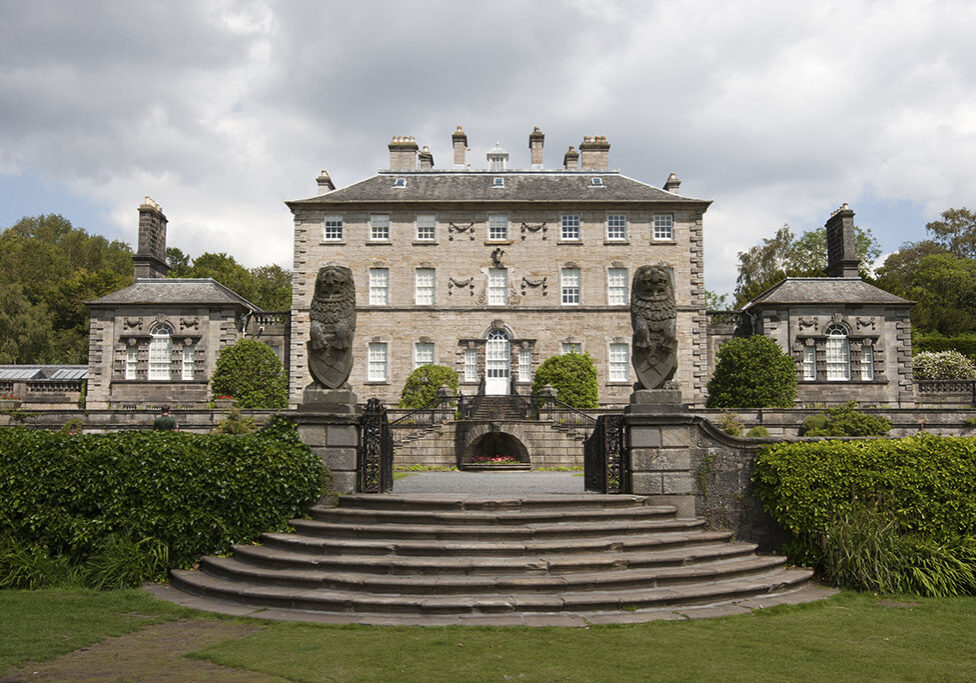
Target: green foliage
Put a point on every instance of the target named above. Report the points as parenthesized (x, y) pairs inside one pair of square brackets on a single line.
[(758, 432), (48, 269), (32, 567), (422, 385), (752, 372), (784, 255), (964, 344), (942, 365), (956, 232), (845, 420), (235, 423), (716, 302), (74, 425), (251, 373), (195, 494), (728, 423), (120, 562), (268, 287), (573, 376)]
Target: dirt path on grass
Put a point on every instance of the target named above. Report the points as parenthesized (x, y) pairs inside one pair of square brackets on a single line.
[(153, 654)]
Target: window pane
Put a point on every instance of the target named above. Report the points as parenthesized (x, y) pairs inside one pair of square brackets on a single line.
[(570, 228), (376, 366), (379, 227), (617, 286), (497, 287), (379, 286), (867, 363), (525, 365), (426, 227), (838, 356), (160, 353), (809, 363), (616, 226), (333, 228), (570, 286), (471, 365), (497, 226), (423, 354), (424, 286), (131, 361), (619, 362), (663, 227), (188, 365)]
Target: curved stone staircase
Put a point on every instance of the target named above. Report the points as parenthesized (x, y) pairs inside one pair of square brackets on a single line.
[(562, 560)]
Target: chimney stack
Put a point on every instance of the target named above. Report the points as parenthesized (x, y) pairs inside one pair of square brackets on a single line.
[(536, 140), (403, 153), (460, 142), (324, 182), (571, 159), (841, 258), (672, 184), (150, 258), (426, 159), (596, 153)]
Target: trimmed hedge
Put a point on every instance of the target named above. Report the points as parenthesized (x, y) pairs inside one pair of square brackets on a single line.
[(926, 483), (752, 372), (251, 373), (845, 420), (964, 345), (197, 494), (573, 376), (422, 385)]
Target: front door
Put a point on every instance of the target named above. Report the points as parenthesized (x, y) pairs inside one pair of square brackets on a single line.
[(498, 363)]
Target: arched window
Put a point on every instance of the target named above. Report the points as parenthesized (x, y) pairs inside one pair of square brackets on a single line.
[(838, 354), (160, 352)]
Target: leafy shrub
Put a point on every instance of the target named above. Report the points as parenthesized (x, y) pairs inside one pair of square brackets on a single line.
[(893, 515), (728, 424), (752, 372), (422, 385), (251, 373), (573, 376), (845, 420), (942, 365), (758, 432), (32, 567), (235, 423), (195, 494)]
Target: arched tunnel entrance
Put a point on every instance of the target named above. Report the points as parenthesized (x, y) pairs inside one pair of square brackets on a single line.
[(495, 445)]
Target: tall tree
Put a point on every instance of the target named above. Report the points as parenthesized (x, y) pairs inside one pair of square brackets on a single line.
[(268, 287), (956, 232)]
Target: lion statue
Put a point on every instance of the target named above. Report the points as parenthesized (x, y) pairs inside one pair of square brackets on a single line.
[(333, 324), (652, 315)]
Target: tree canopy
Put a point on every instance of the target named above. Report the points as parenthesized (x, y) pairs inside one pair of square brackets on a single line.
[(268, 287), (785, 255)]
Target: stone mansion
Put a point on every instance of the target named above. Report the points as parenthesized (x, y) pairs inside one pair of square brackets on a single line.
[(490, 271)]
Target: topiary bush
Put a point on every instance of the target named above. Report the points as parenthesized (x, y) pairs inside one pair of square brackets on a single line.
[(68, 497), (758, 432), (573, 376), (893, 515), (251, 373), (845, 420), (422, 385), (942, 365), (752, 372)]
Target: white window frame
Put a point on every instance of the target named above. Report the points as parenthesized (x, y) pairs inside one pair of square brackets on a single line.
[(399, 183), (570, 347), (867, 363), (497, 287), (838, 354), (379, 227), (570, 227), (161, 353), (423, 286), (131, 361), (809, 363), (471, 365), (188, 370), (616, 227), (426, 227), (662, 226), (332, 228), (570, 286), (596, 181), (423, 354), (498, 182), (497, 227), (377, 364), (379, 286), (618, 362), (525, 365), (616, 286)]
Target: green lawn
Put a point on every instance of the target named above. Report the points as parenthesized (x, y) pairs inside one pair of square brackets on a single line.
[(849, 637)]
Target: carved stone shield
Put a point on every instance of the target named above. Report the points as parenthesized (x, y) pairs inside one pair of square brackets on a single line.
[(652, 315)]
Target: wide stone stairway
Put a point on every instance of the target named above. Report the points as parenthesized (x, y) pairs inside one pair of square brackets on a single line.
[(544, 559)]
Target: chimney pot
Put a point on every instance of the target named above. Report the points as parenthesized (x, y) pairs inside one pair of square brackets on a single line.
[(426, 159), (403, 153), (571, 159), (672, 183), (595, 153), (459, 140), (324, 182)]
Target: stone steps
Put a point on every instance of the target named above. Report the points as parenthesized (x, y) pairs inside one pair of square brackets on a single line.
[(422, 557)]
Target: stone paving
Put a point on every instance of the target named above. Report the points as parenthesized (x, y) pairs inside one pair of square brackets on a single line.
[(490, 483)]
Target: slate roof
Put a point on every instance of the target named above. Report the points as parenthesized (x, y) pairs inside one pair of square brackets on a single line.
[(174, 291), (826, 290), (22, 373), (476, 186)]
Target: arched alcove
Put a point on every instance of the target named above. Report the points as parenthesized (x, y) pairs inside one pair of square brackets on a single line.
[(493, 443)]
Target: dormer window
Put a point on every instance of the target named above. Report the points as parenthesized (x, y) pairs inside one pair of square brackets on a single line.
[(596, 182), (498, 182), (399, 182)]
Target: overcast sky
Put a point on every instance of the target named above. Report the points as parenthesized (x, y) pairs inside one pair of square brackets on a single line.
[(776, 111)]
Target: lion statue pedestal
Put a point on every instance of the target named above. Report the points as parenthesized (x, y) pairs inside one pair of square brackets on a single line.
[(655, 342)]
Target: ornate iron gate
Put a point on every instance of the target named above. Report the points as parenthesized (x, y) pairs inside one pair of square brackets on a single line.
[(606, 465), (374, 460)]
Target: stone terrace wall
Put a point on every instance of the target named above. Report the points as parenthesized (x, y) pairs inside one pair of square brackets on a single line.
[(196, 421)]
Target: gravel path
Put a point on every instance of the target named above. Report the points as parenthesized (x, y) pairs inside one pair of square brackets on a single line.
[(490, 483)]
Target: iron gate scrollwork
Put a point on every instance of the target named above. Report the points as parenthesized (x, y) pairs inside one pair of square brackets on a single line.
[(374, 461), (606, 465)]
